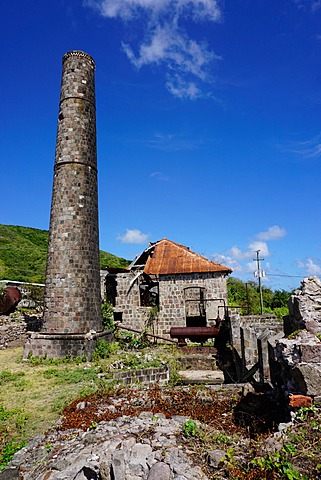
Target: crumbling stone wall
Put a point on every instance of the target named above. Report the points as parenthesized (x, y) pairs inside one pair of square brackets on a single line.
[(305, 308), (249, 337), (295, 359), (172, 307), (13, 329)]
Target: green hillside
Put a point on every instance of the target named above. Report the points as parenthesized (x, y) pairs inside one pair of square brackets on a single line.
[(23, 253)]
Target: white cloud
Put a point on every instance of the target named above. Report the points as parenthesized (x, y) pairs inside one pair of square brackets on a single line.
[(133, 236), (127, 9), (238, 254), (165, 42), (183, 89), (159, 176), (272, 233), (259, 245), (310, 148), (310, 267)]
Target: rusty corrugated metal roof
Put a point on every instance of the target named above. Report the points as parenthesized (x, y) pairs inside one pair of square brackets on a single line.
[(172, 258)]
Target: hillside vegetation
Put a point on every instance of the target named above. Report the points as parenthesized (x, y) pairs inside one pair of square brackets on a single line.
[(23, 254)]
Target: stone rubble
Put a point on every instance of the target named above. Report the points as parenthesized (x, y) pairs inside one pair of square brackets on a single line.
[(305, 307), (146, 447), (296, 362)]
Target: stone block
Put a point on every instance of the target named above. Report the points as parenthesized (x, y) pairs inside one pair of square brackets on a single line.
[(311, 353), (159, 471), (307, 378)]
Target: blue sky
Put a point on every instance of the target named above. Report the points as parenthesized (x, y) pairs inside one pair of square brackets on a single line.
[(208, 121)]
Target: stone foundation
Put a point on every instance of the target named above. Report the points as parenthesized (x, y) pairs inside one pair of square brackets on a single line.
[(144, 376), (64, 345)]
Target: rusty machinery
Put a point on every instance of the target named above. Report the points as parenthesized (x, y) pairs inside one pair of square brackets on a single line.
[(200, 334), (9, 299)]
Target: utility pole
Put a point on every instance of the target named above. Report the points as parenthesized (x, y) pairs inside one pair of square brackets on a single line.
[(259, 274)]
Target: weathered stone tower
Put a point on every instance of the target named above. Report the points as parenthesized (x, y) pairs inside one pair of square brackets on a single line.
[(72, 316)]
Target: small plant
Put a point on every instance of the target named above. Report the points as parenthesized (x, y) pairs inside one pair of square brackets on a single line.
[(294, 334), (221, 438), (130, 341), (304, 412), (76, 375), (107, 312), (8, 452), (6, 376), (102, 350), (93, 426), (278, 464), (190, 428)]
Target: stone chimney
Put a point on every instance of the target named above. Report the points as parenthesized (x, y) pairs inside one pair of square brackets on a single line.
[(72, 316)]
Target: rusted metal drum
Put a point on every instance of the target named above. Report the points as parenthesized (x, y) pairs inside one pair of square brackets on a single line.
[(195, 334), (9, 299)]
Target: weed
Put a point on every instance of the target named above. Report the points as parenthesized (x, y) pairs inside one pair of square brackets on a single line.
[(278, 464), (304, 412), (294, 334), (6, 376), (71, 376), (102, 350), (190, 428), (131, 341), (37, 361), (107, 312), (221, 438), (8, 452)]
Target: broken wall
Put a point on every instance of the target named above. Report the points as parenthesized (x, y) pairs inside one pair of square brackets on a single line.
[(172, 305)]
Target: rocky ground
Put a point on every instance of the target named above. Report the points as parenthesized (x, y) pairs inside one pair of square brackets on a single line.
[(181, 433)]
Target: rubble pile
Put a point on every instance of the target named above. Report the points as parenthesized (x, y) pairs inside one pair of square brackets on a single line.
[(295, 361)]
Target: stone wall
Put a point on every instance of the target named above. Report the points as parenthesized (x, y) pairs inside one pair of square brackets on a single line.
[(172, 305), (144, 376), (13, 329), (249, 337), (128, 303)]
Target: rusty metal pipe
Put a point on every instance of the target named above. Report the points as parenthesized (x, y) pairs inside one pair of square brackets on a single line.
[(194, 334), (147, 334)]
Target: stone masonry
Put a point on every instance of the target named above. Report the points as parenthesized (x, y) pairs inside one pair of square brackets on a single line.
[(172, 306), (72, 313)]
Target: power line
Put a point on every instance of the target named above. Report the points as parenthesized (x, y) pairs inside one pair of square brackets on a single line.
[(283, 275)]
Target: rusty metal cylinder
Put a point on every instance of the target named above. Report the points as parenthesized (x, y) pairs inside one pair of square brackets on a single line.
[(9, 299), (196, 334)]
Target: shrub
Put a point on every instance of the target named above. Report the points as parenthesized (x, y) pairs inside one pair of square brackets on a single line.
[(107, 312)]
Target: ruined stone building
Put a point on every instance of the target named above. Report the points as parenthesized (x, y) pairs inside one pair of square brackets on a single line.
[(167, 285)]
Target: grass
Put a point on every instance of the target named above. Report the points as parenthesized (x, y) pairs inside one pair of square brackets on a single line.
[(33, 394), (25, 388)]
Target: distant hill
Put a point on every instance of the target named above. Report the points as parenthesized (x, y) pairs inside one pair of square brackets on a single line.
[(23, 254)]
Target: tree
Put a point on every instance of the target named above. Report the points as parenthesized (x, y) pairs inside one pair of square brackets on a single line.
[(246, 296)]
